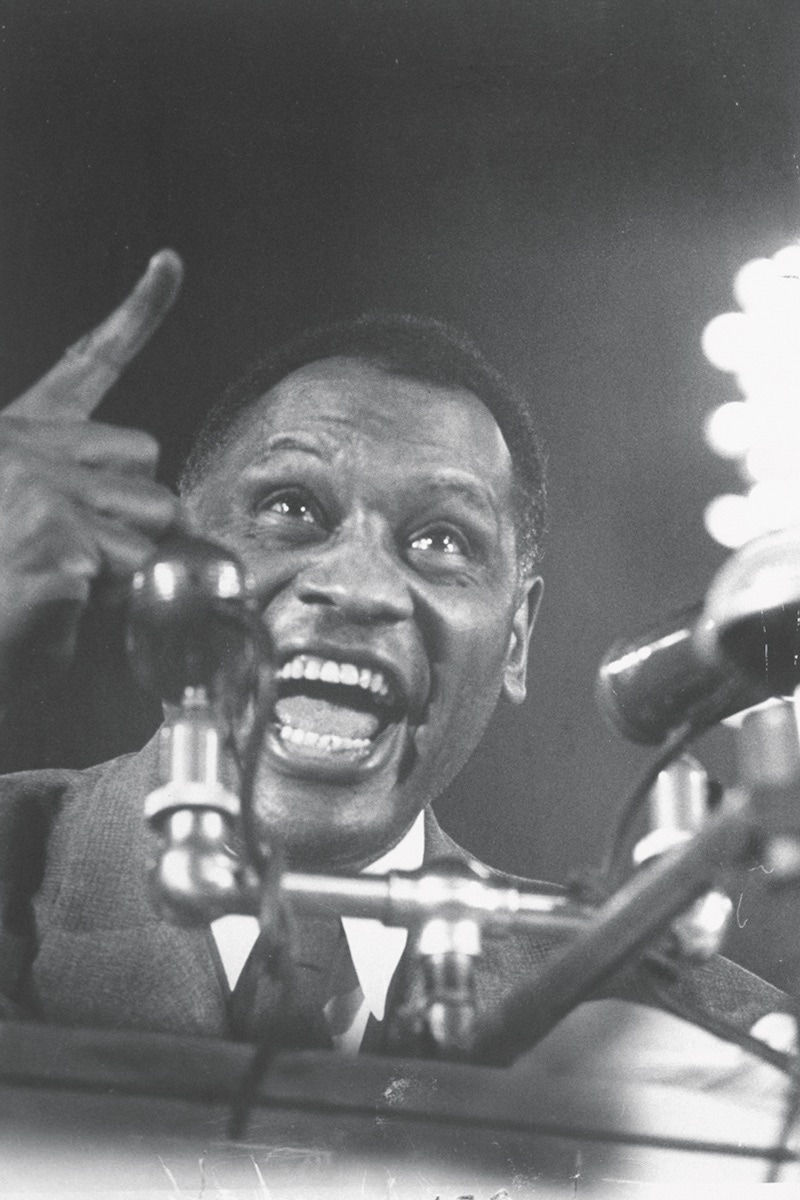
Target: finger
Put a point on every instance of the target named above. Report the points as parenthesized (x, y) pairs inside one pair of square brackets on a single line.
[(88, 442), (77, 383), (130, 500), (133, 499), (123, 549), (76, 547), (82, 547)]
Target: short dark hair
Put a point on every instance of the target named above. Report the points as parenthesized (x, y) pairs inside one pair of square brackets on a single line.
[(417, 348)]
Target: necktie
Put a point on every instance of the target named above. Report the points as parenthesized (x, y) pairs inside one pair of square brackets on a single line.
[(322, 979), (345, 998)]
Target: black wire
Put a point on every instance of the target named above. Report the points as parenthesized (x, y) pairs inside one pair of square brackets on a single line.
[(250, 755), (274, 946), (777, 1156), (615, 866), (247, 756), (276, 933), (790, 1115), (704, 717)]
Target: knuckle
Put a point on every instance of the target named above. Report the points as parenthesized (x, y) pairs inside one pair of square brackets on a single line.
[(15, 432), (82, 349), (16, 474), (143, 445), (40, 514)]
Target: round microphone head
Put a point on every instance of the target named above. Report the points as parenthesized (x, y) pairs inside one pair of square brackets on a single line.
[(187, 620), (649, 685), (751, 616)]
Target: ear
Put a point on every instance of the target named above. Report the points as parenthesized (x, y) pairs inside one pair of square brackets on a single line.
[(521, 630)]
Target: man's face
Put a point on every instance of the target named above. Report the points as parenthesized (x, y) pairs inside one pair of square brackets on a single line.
[(374, 513)]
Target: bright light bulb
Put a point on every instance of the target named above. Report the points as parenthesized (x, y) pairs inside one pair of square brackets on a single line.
[(729, 520), (730, 429), (725, 341), (761, 347), (775, 503), (755, 284), (787, 261)]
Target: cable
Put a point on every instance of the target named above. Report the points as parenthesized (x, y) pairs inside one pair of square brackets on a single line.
[(247, 756), (791, 1111), (274, 948), (613, 869), (702, 719)]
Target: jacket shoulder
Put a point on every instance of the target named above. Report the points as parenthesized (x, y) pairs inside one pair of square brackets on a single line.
[(439, 844), (37, 810)]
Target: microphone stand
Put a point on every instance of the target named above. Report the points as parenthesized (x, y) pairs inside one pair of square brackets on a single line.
[(761, 817), (622, 926)]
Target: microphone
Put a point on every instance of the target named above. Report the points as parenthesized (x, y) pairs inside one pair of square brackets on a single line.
[(648, 686), (751, 616), (733, 650), (191, 638), (189, 621)]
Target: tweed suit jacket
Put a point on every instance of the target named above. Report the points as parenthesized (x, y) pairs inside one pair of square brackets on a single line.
[(81, 944)]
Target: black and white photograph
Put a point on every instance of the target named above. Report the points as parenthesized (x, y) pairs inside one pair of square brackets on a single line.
[(399, 599)]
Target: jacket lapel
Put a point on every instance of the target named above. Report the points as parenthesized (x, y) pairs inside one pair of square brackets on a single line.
[(105, 956), (506, 960)]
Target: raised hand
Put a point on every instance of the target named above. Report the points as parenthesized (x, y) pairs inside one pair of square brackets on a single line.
[(79, 504)]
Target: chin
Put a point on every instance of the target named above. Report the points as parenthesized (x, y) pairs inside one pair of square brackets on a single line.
[(326, 826)]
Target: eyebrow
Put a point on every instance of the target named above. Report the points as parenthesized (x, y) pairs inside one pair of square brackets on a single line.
[(473, 493), (451, 485), (291, 441)]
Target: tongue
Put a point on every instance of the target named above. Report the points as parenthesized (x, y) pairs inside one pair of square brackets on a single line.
[(321, 716)]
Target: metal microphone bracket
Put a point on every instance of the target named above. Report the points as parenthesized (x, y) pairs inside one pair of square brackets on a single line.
[(679, 804), (448, 951), (768, 751), (196, 875), (449, 907), (448, 947)]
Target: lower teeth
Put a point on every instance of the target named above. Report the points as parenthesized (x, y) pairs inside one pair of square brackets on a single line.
[(330, 742)]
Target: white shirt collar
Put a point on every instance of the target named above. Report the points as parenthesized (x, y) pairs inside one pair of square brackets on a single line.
[(375, 949)]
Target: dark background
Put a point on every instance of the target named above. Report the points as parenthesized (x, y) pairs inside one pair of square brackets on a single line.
[(575, 181)]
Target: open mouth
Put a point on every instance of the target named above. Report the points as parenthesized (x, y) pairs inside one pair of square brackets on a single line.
[(333, 711)]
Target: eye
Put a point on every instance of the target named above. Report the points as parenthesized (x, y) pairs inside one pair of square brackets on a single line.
[(290, 504), (441, 540)]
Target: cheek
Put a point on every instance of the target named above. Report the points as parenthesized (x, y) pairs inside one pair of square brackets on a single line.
[(471, 656), (476, 631)]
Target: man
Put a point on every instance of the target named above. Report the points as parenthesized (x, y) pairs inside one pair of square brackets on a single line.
[(385, 490)]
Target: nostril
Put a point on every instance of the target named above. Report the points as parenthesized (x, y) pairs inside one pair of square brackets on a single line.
[(317, 595), (358, 574), (362, 596)]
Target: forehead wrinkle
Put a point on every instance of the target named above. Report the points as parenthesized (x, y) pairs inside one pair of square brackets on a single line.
[(476, 493), (292, 441), (378, 413)]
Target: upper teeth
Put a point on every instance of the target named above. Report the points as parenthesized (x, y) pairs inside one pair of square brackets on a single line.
[(307, 666)]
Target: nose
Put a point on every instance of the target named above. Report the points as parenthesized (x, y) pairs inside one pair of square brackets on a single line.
[(359, 575)]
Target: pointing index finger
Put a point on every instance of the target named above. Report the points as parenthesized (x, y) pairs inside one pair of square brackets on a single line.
[(72, 390)]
